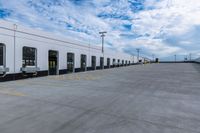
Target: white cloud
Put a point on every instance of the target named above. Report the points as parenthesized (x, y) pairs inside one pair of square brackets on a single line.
[(150, 27), (174, 18)]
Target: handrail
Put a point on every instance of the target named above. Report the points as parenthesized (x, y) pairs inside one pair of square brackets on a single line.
[(4, 72), (3, 75)]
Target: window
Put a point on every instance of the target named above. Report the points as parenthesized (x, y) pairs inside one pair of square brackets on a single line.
[(29, 56)]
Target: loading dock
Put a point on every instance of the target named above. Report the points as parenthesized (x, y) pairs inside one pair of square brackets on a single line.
[(93, 62), (1, 54), (83, 62), (108, 62), (101, 63), (122, 63), (118, 62), (53, 62), (70, 62), (42, 54), (114, 62), (3, 68), (29, 60)]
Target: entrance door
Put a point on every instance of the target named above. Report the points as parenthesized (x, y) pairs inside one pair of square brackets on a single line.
[(93, 62), (70, 62), (101, 62), (53, 62), (83, 62)]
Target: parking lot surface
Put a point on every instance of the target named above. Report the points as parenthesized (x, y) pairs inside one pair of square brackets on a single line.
[(153, 98)]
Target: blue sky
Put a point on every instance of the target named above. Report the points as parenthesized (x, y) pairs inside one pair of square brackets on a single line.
[(160, 27)]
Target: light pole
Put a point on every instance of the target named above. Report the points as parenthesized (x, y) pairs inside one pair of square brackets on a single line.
[(138, 52), (133, 58), (102, 36), (190, 57), (186, 58), (153, 56), (14, 28)]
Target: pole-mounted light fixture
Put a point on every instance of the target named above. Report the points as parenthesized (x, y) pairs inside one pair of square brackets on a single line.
[(138, 52), (102, 36)]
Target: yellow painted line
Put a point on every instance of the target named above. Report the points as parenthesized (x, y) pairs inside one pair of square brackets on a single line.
[(13, 93), (73, 77)]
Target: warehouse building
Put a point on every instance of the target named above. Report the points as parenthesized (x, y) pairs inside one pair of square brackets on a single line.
[(26, 52)]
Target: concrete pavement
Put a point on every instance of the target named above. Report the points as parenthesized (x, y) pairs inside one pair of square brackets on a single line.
[(154, 98)]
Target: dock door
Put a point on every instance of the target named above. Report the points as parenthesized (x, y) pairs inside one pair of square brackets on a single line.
[(122, 63), (101, 63), (118, 62), (108, 62), (70, 62), (83, 63), (93, 62), (53, 62), (114, 63), (2, 54)]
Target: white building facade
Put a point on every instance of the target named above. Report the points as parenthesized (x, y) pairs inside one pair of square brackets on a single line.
[(25, 52)]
